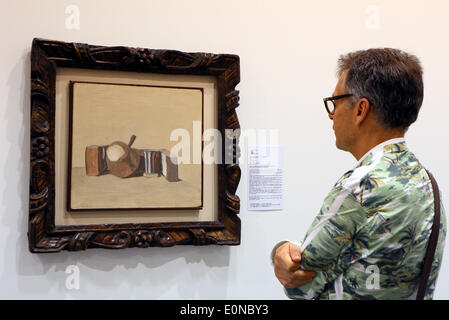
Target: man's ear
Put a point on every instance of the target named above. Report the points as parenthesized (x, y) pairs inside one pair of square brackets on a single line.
[(362, 109)]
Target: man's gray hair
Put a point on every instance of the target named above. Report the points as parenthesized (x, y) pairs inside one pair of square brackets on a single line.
[(390, 79)]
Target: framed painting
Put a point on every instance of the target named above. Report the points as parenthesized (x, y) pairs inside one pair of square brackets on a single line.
[(119, 142)]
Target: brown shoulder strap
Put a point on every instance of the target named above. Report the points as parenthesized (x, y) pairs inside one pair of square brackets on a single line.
[(433, 240)]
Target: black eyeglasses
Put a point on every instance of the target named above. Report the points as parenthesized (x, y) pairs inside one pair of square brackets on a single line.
[(330, 104)]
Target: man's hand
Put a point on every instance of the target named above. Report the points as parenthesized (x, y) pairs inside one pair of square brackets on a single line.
[(286, 266)]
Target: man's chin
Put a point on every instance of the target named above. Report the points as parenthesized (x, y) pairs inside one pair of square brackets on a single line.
[(339, 146)]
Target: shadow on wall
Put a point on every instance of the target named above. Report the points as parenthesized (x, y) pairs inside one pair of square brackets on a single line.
[(154, 270)]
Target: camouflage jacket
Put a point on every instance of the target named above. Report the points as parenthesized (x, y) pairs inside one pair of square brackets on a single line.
[(370, 237)]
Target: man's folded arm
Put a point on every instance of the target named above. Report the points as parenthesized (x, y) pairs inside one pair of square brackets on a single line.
[(328, 247)]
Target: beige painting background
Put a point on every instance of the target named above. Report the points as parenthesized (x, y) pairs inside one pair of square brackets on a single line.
[(104, 113), (209, 212)]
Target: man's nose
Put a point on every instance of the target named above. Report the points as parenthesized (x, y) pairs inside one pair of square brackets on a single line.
[(331, 116)]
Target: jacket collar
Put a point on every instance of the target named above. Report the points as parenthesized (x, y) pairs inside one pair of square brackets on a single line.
[(392, 145)]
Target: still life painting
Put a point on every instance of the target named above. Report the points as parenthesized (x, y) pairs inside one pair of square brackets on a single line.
[(120, 147)]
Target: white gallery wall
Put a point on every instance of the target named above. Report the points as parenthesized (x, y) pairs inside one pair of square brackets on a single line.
[(288, 52)]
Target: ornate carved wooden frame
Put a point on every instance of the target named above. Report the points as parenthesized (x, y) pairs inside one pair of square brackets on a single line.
[(43, 235)]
